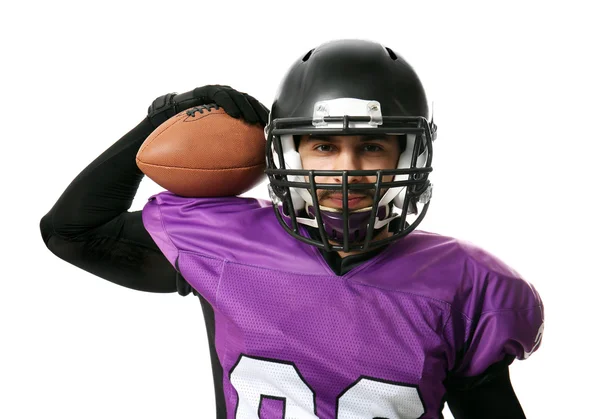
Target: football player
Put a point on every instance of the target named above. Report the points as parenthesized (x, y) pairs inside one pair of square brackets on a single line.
[(324, 302)]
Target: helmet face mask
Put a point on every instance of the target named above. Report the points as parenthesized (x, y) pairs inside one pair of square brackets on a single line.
[(331, 102)]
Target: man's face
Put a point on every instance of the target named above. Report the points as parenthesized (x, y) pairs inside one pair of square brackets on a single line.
[(349, 152)]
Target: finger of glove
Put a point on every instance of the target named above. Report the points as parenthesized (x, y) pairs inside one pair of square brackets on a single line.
[(206, 94), (233, 102), (187, 100), (260, 109), (226, 102), (246, 109), (209, 92)]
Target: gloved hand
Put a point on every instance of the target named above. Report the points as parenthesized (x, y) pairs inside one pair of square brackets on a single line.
[(235, 104)]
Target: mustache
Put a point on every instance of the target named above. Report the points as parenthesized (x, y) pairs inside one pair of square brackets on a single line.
[(326, 193)]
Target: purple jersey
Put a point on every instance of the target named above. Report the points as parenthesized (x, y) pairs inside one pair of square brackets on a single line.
[(297, 341)]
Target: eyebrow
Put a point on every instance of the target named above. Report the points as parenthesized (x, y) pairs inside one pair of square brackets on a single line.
[(363, 138)]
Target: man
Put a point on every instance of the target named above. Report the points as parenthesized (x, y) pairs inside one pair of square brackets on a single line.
[(330, 304)]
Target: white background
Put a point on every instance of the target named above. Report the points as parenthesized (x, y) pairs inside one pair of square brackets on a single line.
[(515, 88)]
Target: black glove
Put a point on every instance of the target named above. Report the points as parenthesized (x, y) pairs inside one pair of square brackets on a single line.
[(236, 104)]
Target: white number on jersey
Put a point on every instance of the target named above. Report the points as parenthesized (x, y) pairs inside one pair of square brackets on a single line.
[(255, 378)]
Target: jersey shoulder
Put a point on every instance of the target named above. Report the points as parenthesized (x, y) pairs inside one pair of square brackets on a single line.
[(454, 271), (234, 229), (494, 312), (491, 311)]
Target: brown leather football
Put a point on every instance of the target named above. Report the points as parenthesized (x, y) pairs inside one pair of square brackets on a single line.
[(202, 152)]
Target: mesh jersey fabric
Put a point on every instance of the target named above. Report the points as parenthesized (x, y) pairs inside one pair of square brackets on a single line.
[(377, 341)]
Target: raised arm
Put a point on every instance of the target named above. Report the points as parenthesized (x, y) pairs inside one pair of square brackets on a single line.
[(90, 225)]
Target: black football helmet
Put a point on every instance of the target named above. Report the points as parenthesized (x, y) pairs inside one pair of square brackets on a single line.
[(350, 87)]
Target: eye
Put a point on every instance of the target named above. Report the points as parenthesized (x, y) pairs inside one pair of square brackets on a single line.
[(372, 148), (324, 148)]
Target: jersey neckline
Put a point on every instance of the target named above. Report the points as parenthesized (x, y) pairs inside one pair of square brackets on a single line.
[(377, 254)]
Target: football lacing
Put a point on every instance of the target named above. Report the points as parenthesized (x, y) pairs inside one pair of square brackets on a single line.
[(200, 108)]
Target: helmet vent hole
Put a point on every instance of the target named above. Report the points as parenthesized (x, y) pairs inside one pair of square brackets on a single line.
[(392, 54), (307, 56)]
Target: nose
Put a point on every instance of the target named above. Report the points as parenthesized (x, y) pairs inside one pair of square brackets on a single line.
[(348, 160)]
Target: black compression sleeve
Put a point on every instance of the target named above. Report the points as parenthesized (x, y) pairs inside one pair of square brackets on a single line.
[(89, 226), (489, 396)]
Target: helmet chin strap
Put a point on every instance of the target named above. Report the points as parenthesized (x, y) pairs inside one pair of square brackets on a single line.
[(333, 222)]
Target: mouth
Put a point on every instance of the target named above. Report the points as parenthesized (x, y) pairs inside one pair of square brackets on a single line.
[(354, 201)]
